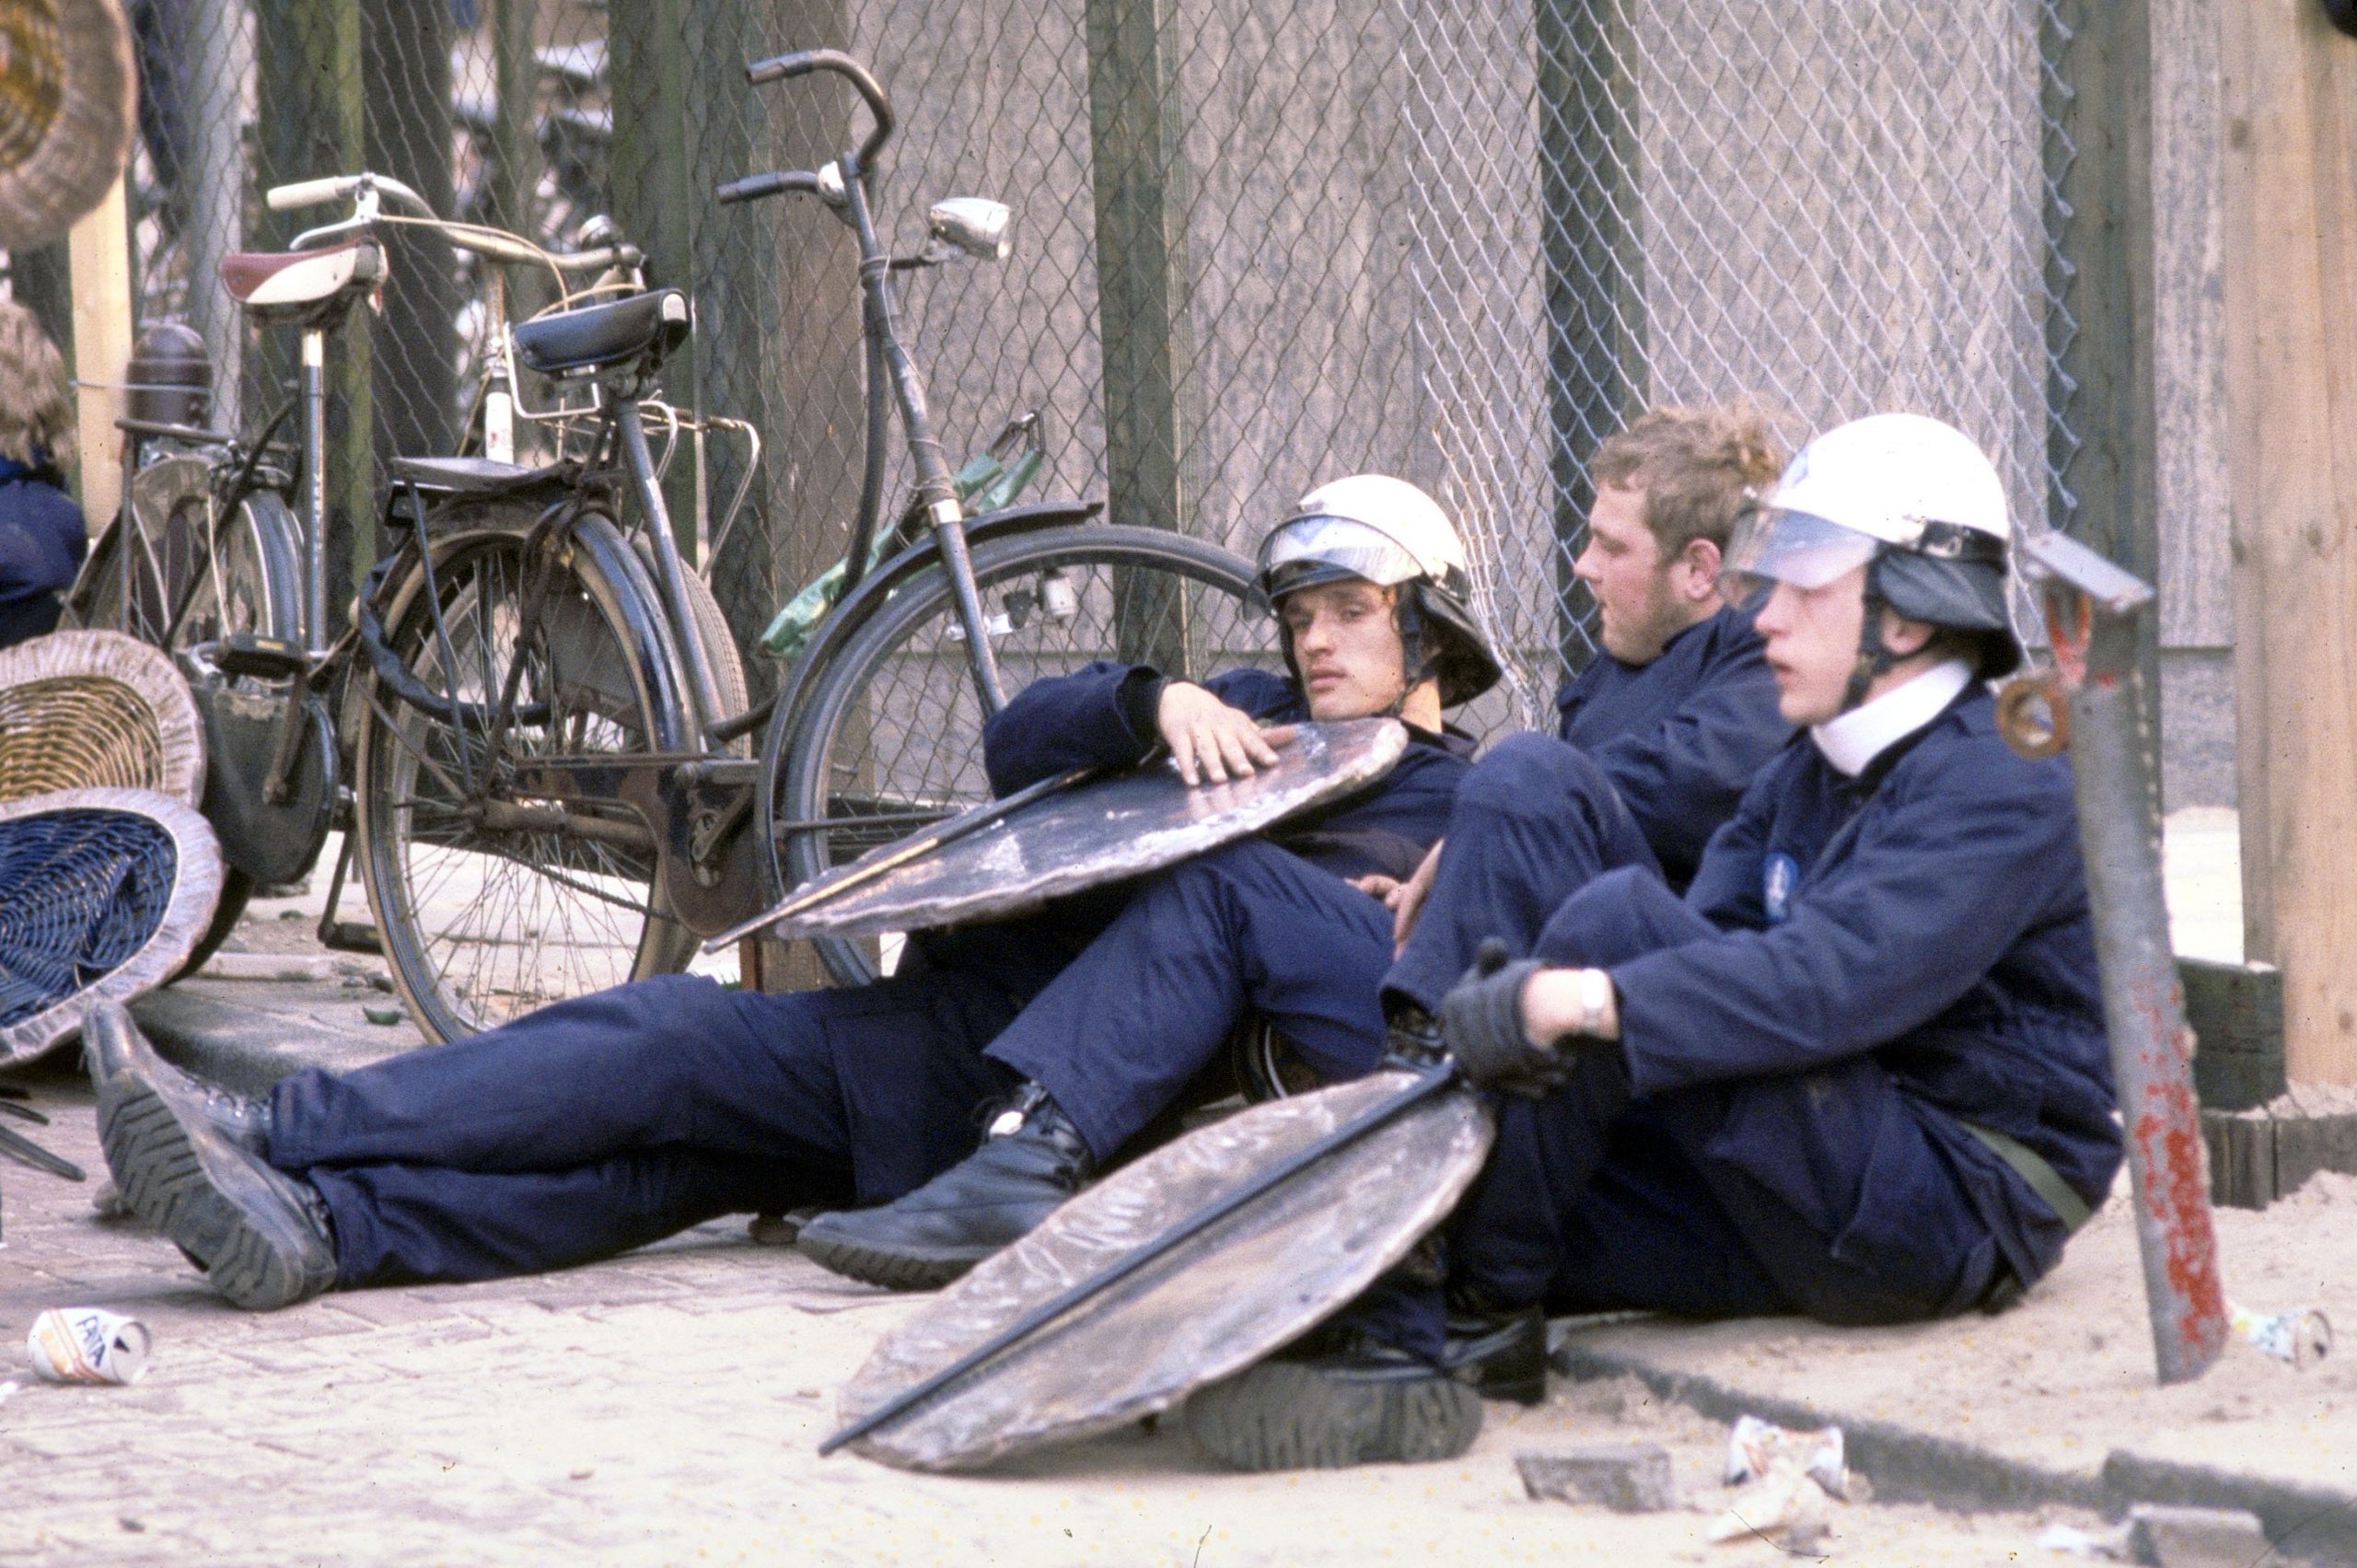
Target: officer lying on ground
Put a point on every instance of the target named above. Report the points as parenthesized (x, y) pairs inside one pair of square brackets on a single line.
[(1676, 721), (607, 1122), (1859, 1071)]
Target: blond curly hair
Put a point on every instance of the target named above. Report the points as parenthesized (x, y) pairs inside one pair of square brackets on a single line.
[(36, 412), (1697, 466)]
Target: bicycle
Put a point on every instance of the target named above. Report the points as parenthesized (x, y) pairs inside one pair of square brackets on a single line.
[(549, 788)]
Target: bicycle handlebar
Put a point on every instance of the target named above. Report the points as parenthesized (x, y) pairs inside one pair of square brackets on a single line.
[(754, 187), (802, 62), (335, 186)]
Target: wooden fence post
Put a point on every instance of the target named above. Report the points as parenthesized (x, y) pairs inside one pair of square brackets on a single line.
[(2102, 431), (100, 249), (2288, 114), (1594, 266)]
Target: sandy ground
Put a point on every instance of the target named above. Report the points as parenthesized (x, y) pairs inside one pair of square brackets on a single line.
[(2068, 1375), (666, 1408)]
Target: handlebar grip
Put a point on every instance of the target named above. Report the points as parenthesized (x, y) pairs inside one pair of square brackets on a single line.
[(310, 193), (781, 67), (751, 188)]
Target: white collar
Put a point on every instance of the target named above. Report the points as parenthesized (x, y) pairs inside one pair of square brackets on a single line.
[(1851, 740)]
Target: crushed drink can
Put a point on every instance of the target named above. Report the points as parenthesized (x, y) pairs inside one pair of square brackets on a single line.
[(2300, 1338), (1755, 1445), (87, 1345)]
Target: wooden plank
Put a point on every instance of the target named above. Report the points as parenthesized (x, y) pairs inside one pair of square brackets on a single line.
[(2241, 1158), (2236, 1014), (99, 249), (2288, 87)]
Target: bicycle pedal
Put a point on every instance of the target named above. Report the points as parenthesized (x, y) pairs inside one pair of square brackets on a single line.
[(249, 653)]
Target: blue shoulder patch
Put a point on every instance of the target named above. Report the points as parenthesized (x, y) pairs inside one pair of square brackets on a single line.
[(1779, 875)]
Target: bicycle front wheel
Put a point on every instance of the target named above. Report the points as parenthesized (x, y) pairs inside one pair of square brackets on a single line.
[(889, 737), (492, 901)]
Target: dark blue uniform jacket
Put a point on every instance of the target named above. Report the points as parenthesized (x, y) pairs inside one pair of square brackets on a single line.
[(1931, 912), (1679, 738), (1102, 715), (41, 546)]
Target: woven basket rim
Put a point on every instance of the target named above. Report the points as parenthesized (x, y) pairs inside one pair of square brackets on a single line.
[(148, 671)]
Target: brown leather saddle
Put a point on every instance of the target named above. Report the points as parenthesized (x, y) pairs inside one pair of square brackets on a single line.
[(313, 287)]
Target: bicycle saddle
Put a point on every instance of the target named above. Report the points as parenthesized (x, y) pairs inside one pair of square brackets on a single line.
[(597, 336), (266, 280)]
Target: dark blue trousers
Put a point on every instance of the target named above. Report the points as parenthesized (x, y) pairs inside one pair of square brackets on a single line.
[(1828, 1192), (607, 1122), (1532, 823), (1119, 1035)]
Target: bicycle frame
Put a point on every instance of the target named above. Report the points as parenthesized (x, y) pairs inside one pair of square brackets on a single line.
[(888, 357)]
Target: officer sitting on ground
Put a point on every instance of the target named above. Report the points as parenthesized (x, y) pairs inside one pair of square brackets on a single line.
[(1678, 716), (1660, 735), (1859, 1071), (607, 1122)]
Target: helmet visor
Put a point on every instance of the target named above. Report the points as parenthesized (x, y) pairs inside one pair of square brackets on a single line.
[(1319, 548), (1799, 547)]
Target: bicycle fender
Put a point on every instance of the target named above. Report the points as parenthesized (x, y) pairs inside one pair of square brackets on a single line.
[(894, 571)]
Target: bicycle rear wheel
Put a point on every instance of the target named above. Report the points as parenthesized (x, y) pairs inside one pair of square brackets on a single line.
[(196, 575), (889, 737), (491, 902)]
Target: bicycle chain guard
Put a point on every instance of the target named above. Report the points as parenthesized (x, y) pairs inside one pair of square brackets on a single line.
[(269, 841)]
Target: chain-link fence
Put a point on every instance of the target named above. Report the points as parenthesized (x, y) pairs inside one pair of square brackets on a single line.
[(1261, 243)]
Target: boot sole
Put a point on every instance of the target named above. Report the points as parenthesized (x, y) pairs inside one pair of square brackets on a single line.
[(1287, 1416), (870, 1265), (169, 1178)]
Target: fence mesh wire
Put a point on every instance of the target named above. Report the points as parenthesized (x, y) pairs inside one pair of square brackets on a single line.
[(1261, 243)]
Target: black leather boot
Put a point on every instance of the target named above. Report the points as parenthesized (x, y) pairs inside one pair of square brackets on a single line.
[(108, 1035), (262, 1237), (1499, 1355), (1031, 1161), (1340, 1397)]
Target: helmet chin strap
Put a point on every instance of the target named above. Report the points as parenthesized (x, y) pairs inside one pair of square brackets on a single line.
[(1874, 659), (1416, 666)]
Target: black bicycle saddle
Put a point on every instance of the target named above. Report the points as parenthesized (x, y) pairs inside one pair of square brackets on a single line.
[(597, 336)]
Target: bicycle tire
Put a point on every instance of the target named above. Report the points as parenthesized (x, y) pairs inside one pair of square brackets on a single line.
[(720, 644), (255, 581), (483, 923), (890, 733)]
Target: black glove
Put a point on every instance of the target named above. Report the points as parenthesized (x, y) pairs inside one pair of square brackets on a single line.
[(1481, 1020)]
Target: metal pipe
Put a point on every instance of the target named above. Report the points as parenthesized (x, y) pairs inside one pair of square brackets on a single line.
[(2093, 610), (315, 492)]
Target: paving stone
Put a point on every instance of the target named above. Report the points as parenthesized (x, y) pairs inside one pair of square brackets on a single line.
[(1628, 1478), (2171, 1536)]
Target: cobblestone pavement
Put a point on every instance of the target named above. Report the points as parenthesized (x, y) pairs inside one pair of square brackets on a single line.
[(665, 1408)]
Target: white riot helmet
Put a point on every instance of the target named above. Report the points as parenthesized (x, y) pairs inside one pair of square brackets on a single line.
[(1914, 501), (1389, 533)]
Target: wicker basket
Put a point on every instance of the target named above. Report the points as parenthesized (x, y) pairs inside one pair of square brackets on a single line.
[(103, 893), (81, 710)]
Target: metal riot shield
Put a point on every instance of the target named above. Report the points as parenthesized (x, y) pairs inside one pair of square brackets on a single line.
[(1100, 832), (1191, 1313)]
